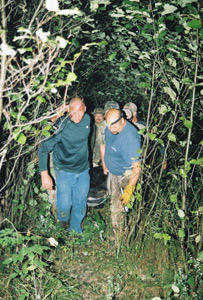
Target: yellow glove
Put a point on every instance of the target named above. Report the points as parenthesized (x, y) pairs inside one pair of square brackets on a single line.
[(128, 191)]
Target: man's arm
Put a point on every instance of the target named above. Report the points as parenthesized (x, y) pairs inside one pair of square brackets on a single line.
[(46, 147), (130, 187), (59, 112), (102, 152), (136, 170)]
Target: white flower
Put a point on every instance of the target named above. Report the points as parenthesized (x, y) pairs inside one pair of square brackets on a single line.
[(175, 288), (54, 90), (53, 242), (181, 213), (52, 5), (156, 298), (62, 42), (42, 35), (7, 50)]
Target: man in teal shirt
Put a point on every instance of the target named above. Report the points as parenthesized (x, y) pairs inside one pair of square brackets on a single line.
[(70, 157)]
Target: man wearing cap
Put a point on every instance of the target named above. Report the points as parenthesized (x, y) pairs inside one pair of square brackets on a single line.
[(120, 158), (140, 124), (98, 114), (133, 107)]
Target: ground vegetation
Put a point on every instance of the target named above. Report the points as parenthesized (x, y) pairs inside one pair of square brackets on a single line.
[(147, 52)]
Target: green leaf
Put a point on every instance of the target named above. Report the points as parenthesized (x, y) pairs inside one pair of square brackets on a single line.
[(197, 161), (158, 235), (103, 43), (183, 173), (170, 92), (23, 118), (171, 137), (187, 80), (39, 263), (21, 138), (168, 9), (194, 24), (7, 261), (147, 75), (46, 133), (200, 256), (144, 85), (142, 131), (191, 281), (124, 65), (162, 109), (13, 275), (173, 198), (41, 99), (76, 55), (187, 124), (14, 114), (181, 233), (112, 56), (71, 77), (164, 236), (160, 141), (138, 187), (152, 136)]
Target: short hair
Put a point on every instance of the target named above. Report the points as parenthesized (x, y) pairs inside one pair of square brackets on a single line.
[(77, 99)]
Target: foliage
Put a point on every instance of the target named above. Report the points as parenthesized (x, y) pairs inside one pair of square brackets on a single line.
[(148, 52)]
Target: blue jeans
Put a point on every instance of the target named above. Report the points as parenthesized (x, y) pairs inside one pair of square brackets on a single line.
[(72, 190)]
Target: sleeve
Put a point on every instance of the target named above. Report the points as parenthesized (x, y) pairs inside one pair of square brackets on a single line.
[(132, 149), (46, 147)]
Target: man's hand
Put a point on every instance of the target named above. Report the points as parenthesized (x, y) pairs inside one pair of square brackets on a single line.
[(105, 170), (128, 191), (59, 112), (47, 182)]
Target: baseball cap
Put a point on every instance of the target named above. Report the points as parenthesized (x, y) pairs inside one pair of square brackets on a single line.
[(111, 104), (130, 105), (128, 113), (98, 110)]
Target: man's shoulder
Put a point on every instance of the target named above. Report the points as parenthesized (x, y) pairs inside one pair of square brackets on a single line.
[(130, 130), (139, 125), (141, 122), (86, 117)]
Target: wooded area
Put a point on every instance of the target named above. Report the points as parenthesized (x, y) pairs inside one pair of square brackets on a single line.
[(146, 52)]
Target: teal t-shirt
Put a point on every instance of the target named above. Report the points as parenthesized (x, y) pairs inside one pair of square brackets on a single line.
[(122, 149), (69, 146)]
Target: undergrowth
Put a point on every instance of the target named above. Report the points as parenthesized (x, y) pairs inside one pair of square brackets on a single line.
[(43, 261)]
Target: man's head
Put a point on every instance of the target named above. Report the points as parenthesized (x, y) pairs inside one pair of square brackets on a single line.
[(76, 109), (98, 115), (128, 113), (115, 121), (133, 107), (109, 105)]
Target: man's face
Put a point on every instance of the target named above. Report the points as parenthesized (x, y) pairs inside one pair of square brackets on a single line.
[(117, 127), (77, 110), (98, 118)]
